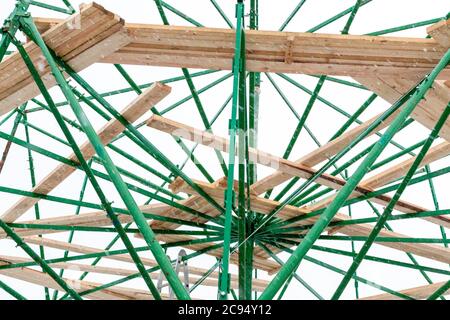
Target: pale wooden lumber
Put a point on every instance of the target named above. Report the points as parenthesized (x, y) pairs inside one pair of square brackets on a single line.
[(441, 33), (77, 248), (80, 40), (429, 251), (42, 279), (132, 112), (286, 166), (392, 173), (266, 51), (124, 272), (418, 293)]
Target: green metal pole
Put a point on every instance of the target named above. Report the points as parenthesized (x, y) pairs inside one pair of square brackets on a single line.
[(121, 187), (224, 287), (47, 269), (37, 213), (106, 204)]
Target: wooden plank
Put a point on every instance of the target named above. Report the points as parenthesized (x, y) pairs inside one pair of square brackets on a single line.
[(132, 112), (87, 219), (343, 55), (396, 171), (80, 40), (285, 166), (441, 33), (213, 282), (262, 205), (418, 293)]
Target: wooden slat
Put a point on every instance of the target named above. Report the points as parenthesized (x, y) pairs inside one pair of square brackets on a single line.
[(132, 112), (87, 219), (80, 40), (392, 173), (418, 293)]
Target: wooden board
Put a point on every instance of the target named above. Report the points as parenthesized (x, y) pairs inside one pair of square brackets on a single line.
[(43, 279), (288, 167), (132, 112), (271, 51), (257, 283), (285, 52), (80, 40)]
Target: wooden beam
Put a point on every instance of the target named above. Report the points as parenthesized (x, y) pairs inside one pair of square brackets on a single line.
[(392, 173), (259, 284), (285, 166), (418, 293), (262, 205), (266, 51), (42, 279), (87, 219), (132, 112), (441, 33), (125, 272), (80, 40)]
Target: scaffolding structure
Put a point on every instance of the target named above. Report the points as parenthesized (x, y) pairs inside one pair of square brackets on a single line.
[(258, 225)]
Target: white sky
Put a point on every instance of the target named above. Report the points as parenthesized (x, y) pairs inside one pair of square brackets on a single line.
[(276, 126)]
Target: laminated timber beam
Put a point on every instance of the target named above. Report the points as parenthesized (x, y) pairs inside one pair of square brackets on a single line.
[(268, 51), (107, 133), (418, 293), (87, 219), (265, 206), (281, 52), (80, 40), (286, 166)]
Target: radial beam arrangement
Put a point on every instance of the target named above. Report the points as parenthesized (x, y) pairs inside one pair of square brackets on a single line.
[(205, 153)]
